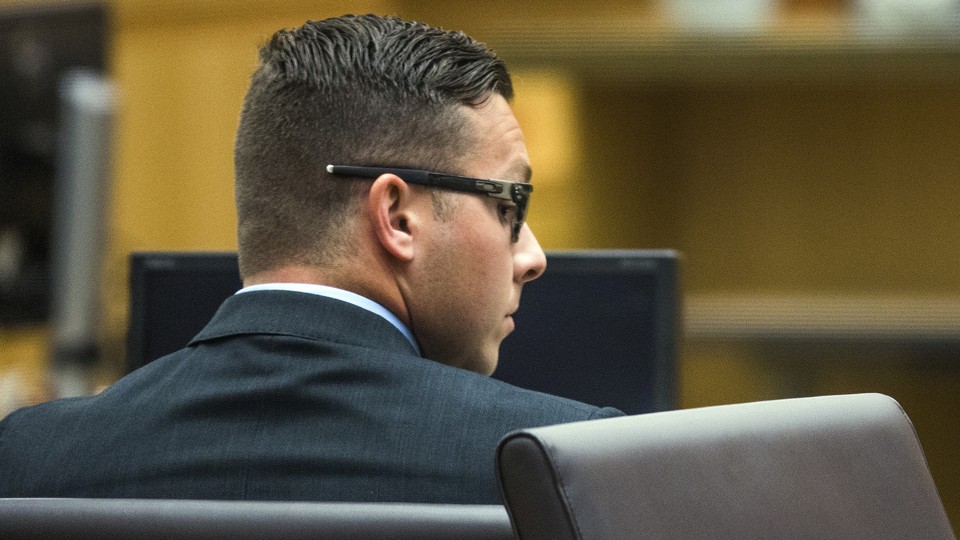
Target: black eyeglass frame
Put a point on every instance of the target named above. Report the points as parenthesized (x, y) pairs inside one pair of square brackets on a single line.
[(517, 192)]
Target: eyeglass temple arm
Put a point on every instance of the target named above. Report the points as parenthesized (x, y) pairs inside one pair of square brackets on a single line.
[(449, 181)]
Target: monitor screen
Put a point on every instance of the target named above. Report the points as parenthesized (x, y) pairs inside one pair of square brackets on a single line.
[(598, 326), (172, 297)]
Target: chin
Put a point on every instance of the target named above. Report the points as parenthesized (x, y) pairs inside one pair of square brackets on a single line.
[(488, 369), (477, 363), (484, 365)]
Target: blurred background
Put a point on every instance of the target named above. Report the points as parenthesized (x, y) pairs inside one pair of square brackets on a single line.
[(803, 155)]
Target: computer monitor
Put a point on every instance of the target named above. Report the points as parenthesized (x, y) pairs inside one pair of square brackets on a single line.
[(172, 296), (599, 326)]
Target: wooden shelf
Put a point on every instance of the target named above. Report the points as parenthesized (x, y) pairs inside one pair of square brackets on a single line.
[(823, 318), (653, 51)]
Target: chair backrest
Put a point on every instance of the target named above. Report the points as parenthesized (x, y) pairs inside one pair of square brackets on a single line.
[(184, 519), (825, 467)]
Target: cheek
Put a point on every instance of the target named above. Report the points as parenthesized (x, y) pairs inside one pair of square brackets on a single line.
[(480, 256), (491, 260)]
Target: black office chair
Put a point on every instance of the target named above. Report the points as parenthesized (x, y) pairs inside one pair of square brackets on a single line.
[(188, 520), (827, 467)]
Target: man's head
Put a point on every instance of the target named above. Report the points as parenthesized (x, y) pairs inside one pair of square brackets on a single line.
[(353, 90), (372, 91)]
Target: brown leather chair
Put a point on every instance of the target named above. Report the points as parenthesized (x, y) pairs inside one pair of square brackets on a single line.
[(184, 519), (826, 467)]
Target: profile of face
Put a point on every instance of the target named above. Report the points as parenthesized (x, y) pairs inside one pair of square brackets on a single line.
[(472, 272)]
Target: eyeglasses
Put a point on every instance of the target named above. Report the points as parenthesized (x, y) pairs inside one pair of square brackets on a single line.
[(518, 192)]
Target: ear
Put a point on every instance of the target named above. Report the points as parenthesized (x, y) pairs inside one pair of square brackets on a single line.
[(395, 215)]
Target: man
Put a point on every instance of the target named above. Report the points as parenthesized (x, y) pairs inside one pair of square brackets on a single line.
[(352, 366)]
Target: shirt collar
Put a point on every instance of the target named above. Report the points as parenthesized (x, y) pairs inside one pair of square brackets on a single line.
[(342, 295)]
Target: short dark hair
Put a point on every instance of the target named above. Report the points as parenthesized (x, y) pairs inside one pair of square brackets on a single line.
[(363, 90)]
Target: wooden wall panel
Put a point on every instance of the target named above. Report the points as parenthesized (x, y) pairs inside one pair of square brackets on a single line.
[(787, 188)]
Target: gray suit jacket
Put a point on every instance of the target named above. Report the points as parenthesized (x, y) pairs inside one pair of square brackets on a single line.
[(283, 396)]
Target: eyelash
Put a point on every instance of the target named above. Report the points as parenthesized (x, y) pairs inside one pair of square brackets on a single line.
[(507, 213)]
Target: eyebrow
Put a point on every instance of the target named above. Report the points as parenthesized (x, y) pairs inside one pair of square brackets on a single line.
[(526, 173)]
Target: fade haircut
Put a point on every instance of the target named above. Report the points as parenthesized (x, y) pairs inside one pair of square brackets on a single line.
[(354, 90)]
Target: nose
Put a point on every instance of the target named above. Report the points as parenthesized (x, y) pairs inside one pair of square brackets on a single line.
[(529, 261)]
